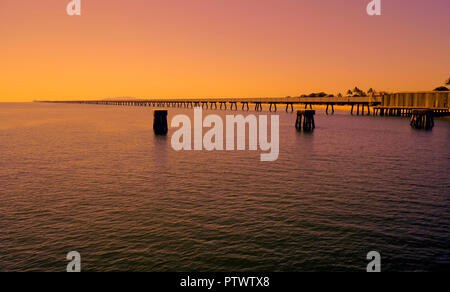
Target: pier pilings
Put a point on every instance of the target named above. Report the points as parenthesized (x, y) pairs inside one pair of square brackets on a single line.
[(305, 120), (422, 119)]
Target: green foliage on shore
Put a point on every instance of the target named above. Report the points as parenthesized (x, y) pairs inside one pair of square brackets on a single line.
[(356, 92), (319, 94), (442, 88)]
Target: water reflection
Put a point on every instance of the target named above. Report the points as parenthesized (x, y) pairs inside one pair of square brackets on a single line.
[(102, 183)]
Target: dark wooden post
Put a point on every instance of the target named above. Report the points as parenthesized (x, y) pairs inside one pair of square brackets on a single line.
[(422, 119), (160, 122), (308, 120), (298, 122)]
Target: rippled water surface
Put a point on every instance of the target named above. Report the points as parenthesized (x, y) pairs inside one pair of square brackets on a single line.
[(96, 180)]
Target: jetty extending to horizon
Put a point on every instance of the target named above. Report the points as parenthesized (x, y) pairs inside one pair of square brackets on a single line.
[(232, 103), (396, 104)]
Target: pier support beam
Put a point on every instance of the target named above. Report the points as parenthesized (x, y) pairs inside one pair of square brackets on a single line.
[(274, 105), (332, 108), (290, 105), (258, 107), (245, 106)]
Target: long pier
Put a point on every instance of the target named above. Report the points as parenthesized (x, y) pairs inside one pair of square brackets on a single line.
[(393, 105), (360, 105), (422, 107)]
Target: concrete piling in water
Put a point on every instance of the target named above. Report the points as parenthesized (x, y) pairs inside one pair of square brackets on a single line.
[(422, 119), (274, 106), (245, 106), (305, 120), (291, 106), (332, 108), (258, 107), (160, 126), (233, 104)]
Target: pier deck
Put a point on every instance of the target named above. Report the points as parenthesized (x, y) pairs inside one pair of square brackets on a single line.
[(359, 105), (232, 103), (400, 111)]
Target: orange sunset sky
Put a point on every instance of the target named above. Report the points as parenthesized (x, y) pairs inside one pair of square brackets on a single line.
[(219, 48)]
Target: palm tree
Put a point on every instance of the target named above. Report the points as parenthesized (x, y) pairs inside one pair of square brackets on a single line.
[(359, 92), (447, 82), (349, 92)]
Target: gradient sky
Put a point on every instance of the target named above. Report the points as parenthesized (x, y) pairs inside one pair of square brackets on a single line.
[(219, 48)]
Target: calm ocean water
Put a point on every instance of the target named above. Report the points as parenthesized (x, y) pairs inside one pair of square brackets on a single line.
[(96, 180)]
